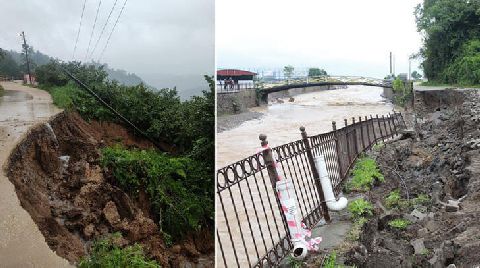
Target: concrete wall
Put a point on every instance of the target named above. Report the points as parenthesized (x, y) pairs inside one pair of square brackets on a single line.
[(236, 102)]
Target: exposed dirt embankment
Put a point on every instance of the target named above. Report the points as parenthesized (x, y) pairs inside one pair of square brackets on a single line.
[(443, 164), (59, 181)]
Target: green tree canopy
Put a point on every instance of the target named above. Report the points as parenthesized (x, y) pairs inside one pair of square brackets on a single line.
[(288, 71), (447, 26), (316, 72)]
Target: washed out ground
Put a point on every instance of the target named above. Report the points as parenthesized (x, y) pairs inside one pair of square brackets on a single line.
[(440, 162), (54, 175)]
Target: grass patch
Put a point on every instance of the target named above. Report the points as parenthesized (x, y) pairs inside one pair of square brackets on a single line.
[(61, 96), (354, 233), (378, 146), (294, 263), (175, 185), (399, 223), (395, 201), (365, 174), (330, 261), (106, 254), (421, 200), (360, 208), (439, 84)]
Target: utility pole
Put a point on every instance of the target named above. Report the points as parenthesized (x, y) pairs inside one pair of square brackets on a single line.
[(391, 72), (409, 69), (25, 48)]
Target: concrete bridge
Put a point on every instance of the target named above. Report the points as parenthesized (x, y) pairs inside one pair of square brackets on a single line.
[(325, 81)]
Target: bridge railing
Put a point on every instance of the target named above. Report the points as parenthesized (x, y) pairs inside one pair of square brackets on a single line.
[(325, 79), (222, 88), (251, 230)]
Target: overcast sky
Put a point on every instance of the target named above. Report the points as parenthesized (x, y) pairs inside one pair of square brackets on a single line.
[(167, 43), (346, 37)]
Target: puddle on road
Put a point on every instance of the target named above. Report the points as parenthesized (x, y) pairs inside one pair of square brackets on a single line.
[(314, 110)]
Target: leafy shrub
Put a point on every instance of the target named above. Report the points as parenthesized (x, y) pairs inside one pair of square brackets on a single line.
[(365, 174), (178, 187), (360, 208), (399, 223), (105, 254)]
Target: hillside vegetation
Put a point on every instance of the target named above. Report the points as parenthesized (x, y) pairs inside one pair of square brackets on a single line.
[(451, 50)]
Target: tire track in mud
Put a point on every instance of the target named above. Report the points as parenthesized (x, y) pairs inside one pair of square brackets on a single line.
[(21, 242)]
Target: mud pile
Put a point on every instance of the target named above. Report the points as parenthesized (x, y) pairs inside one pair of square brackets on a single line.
[(442, 163), (59, 181)]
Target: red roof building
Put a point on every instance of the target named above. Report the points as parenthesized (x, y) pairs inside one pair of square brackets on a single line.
[(235, 74)]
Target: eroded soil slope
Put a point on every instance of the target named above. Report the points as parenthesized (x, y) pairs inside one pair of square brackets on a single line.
[(442, 164), (59, 181)]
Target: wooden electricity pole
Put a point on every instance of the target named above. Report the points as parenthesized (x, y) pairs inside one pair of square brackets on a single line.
[(25, 48)]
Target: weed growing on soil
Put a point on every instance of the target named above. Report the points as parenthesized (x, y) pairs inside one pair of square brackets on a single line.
[(365, 174), (399, 223), (378, 146), (360, 208), (354, 233), (330, 260), (294, 263), (106, 254), (176, 186), (394, 200), (421, 199)]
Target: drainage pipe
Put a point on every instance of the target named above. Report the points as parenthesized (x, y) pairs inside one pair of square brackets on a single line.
[(332, 203), (289, 206)]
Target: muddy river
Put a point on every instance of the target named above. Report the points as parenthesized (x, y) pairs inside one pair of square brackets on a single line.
[(281, 121), (314, 110)]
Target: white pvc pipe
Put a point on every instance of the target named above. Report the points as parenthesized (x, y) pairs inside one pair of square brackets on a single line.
[(332, 202), (289, 206)]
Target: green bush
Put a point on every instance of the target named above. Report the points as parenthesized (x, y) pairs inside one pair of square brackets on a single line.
[(399, 223), (360, 208), (105, 254), (365, 174), (178, 187)]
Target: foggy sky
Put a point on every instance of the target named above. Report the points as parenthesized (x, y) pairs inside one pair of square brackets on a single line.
[(345, 37), (168, 40)]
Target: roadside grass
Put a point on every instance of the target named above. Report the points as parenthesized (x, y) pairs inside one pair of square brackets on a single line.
[(106, 254), (61, 96), (365, 174), (437, 84)]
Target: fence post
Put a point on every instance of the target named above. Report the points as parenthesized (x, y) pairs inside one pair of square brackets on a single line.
[(273, 175), (380, 127), (373, 128), (392, 134), (347, 140), (338, 150), (385, 126), (316, 176), (355, 138), (361, 132)]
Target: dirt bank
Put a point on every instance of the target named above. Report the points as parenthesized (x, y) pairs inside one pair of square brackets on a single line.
[(21, 242), (443, 164), (59, 181)]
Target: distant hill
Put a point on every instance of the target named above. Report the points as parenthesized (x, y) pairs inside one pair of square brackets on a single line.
[(13, 64)]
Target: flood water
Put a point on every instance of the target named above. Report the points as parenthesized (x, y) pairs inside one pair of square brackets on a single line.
[(314, 110), (281, 122)]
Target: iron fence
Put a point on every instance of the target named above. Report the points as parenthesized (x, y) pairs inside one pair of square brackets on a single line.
[(222, 88), (251, 230)]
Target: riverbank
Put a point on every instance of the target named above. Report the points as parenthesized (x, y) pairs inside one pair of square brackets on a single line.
[(426, 212), (231, 121)]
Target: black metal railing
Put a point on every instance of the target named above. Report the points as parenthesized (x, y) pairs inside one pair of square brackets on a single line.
[(251, 230)]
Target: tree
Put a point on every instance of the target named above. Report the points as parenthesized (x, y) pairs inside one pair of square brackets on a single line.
[(288, 71), (316, 72), (416, 75), (447, 25)]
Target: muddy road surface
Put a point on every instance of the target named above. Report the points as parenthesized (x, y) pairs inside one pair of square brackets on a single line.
[(21, 242)]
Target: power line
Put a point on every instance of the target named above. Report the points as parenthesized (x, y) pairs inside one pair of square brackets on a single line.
[(103, 29), (79, 27), (108, 40), (93, 29)]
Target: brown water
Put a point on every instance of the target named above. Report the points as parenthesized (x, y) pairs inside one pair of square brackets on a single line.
[(21, 243), (281, 123), (315, 111)]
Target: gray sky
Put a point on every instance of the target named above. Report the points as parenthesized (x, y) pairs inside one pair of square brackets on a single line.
[(346, 37), (167, 43)]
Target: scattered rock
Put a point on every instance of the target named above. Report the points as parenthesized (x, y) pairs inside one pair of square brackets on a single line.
[(418, 246)]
